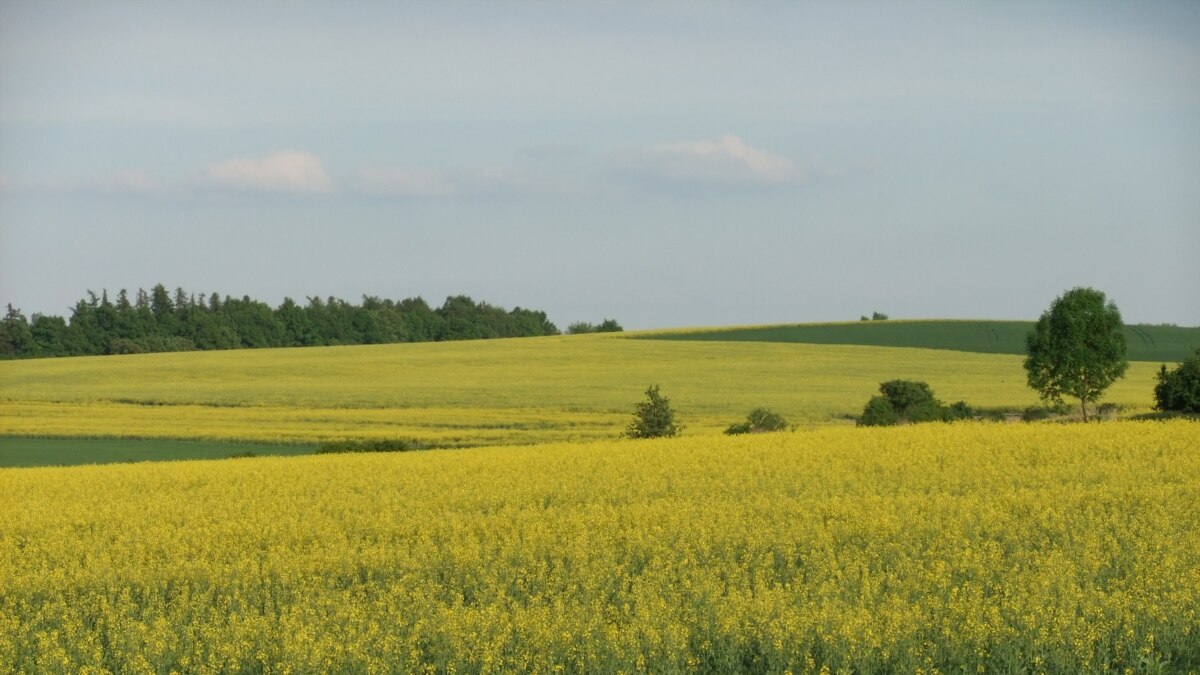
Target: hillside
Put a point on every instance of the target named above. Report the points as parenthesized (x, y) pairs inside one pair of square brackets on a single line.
[(1157, 343), (527, 390)]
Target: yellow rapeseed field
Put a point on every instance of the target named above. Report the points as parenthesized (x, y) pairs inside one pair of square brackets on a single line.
[(936, 548), (486, 392)]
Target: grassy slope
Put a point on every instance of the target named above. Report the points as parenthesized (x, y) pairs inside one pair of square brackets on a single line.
[(484, 392), (1145, 343)]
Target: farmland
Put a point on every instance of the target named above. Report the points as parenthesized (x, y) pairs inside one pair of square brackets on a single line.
[(26, 451), (935, 548), (529, 390), (1144, 342)]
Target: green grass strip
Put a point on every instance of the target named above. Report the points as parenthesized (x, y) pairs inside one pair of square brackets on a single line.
[(28, 452)]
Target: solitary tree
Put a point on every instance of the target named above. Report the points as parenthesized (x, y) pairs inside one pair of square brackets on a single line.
[(653, 418), (1077, 348)]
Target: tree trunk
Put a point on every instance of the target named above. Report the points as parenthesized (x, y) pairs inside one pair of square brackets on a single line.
[(1083, 408)]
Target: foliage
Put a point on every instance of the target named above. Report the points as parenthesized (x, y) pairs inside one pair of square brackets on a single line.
[(1036, 413), (1077, 348), (879, 412), (605, 326), (959, 410), (1178, 390), (653, 418), (908, 401), (879, 316), (760, 420), (962, 548), (156, 322)]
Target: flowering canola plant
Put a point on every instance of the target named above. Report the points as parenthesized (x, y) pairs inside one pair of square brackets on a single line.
[(933, 548)]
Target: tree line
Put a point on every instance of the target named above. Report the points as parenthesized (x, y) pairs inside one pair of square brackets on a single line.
[(159, 321)]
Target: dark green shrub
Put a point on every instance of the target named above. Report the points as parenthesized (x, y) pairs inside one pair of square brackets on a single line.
[(905, 394), (653, 418), (739, 428), (909, 401), (879, 412), (925, 411), (1178, 390), (958, 411), (760, 420)]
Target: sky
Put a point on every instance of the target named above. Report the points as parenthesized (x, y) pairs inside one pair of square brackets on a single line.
[(663, 164)]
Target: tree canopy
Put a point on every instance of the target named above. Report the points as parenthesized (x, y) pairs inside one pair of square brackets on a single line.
[(653, 417), (161, 320), (1077, 348)]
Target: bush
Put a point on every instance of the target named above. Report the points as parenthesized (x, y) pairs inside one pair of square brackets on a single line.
[(653, 418), (908, 401), (879, 412), (958, 411), (1178, 390), (760, 420), (913, 401)]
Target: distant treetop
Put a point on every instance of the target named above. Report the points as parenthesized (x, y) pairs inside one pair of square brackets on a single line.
[(161, 320), (605, 326)]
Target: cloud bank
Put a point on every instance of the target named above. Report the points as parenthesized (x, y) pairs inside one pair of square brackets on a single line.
[(293, 171)]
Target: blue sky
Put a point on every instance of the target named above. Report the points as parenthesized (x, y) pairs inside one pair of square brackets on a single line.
[(665, 164)]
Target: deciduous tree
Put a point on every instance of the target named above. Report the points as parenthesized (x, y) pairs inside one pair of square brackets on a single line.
[(1077, 348)]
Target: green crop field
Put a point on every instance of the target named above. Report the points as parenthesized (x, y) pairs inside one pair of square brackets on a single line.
[(68, 451), (1145, 343)]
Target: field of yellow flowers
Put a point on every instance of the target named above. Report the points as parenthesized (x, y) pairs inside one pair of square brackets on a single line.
[(529, 390), (935, 548)]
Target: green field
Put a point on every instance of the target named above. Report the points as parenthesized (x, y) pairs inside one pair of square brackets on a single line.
[(69, 451), (1145, 343)]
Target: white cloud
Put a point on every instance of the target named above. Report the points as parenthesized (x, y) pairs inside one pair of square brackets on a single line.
[(284, 171), (727, 159), (404, 181)]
